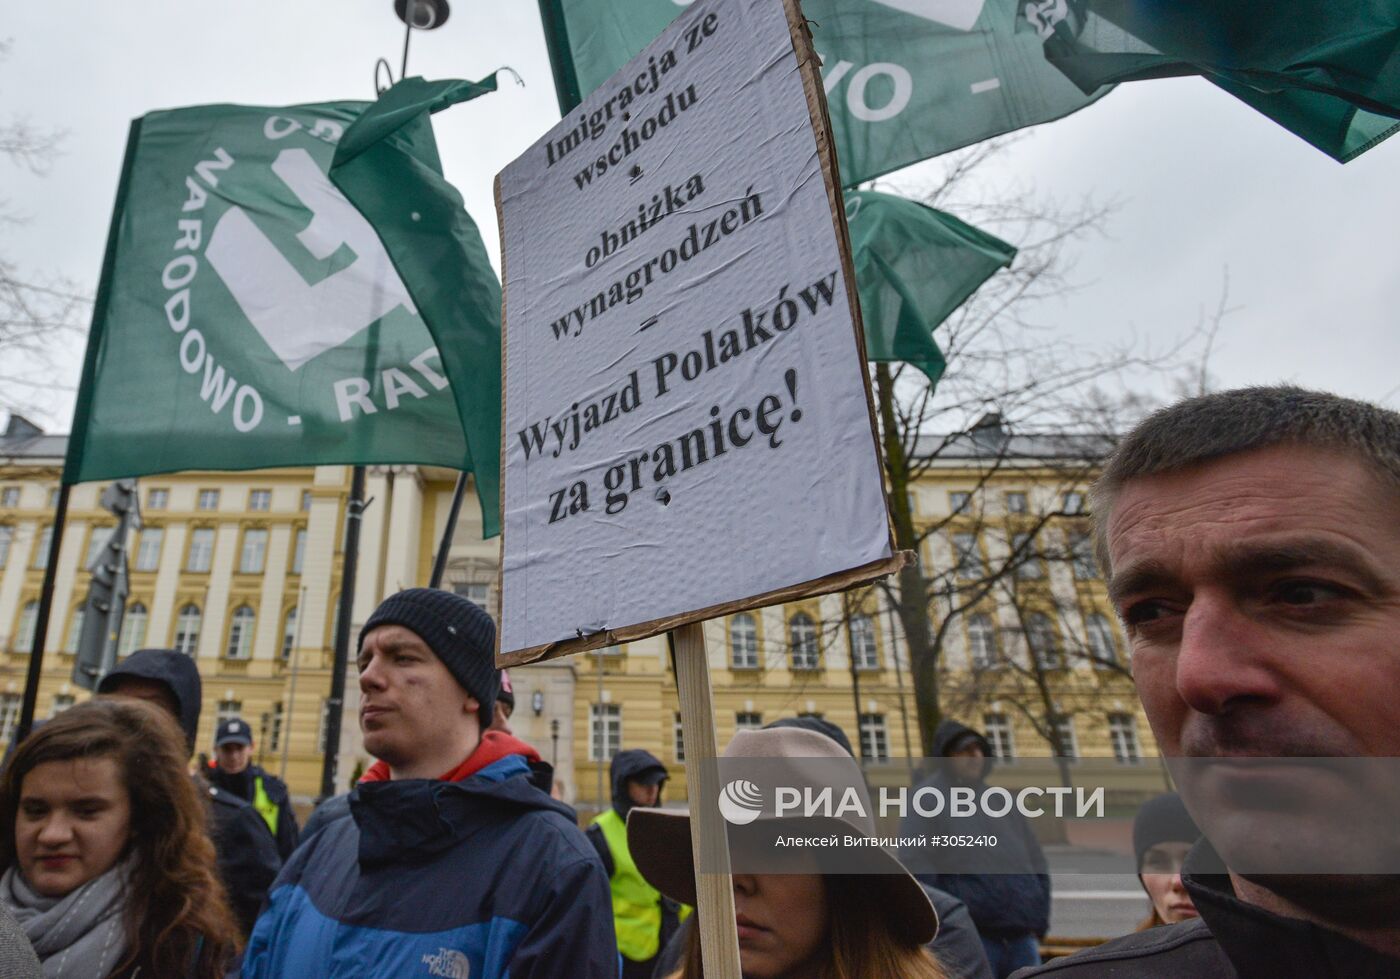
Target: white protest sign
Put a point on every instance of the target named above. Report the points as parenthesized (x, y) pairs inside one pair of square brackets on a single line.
[(687, 425)]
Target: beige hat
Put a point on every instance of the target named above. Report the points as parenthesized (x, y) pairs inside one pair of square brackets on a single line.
[(659, 839)]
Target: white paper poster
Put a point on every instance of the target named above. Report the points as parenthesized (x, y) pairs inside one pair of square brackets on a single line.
[(686, 421)]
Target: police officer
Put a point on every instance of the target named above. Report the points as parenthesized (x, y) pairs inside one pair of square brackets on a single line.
[(234, 772), (644, 918)]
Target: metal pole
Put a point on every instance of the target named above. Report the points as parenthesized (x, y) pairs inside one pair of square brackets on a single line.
[(855, 689), (41, 620), (601, 721), (292, 694), (354, 510), (407, 33), (445, 548)]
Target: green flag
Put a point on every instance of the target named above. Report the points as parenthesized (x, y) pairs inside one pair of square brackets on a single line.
[(248, 316), (914, 266), (1326, 70), (905, 79), (387, 165)]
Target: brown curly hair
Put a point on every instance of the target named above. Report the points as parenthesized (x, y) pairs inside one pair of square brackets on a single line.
[(176, 909)]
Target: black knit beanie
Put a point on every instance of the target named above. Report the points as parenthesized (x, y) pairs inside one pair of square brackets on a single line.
[(1163, 819), (458, 632)]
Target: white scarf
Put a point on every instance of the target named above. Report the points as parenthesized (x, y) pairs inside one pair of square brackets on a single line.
[(78, 936)]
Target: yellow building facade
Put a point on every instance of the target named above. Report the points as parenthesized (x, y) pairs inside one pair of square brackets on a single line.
[(242, 571)]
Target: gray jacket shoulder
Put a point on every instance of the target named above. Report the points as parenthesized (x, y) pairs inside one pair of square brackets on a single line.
[(1170, 951)]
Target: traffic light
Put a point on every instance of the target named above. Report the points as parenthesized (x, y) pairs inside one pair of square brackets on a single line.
[(106, 598)]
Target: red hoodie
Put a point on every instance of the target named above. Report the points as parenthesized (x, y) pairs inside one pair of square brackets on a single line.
[(494, 746)]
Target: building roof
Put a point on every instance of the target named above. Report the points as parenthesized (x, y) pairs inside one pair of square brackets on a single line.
[(23, 440)]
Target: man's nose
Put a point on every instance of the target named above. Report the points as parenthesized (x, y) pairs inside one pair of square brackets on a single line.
[(371, 677), (1223, 660)]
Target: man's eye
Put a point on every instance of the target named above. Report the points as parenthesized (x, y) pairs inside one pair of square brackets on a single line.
[(1140, 613), (1305, 593)]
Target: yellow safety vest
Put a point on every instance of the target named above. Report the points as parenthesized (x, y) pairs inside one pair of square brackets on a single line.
[(264, 805), (636, 904)]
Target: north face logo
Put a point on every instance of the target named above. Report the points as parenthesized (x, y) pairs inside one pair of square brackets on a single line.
[(299, 320), (448, 962)]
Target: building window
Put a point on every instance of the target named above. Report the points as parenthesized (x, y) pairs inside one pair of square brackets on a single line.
[(1102, 647), (743, 642), (61, 702), (1074, 503), (260, 500), (9, 716), (9, 497), (1016, 503), (1064, 731), (1122, 731), (240, 633), (289, 633), (187, 630), (274, 727), (678, 738), (998, 729), (1081, 557), (157, 499), (201, 549), (958, 502), (227, 711), (864, 655), (476, 592), (306, 499), (298, 550), (748, 720), (75, 628), (208, 499), (133, 634), (7, 536), (969, 557), (1040, 636), (253, 557), (802, 642), (40, 561), (1023, 551), (982, 641), (53, 497), (874, 741), (148, 548), (24, 634), (605, 733)]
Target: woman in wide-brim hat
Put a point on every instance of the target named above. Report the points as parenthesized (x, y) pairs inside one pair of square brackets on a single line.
[(816, 918)]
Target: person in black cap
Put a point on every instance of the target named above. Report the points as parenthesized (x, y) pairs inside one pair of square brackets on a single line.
[(247, 852), (449, 857), (1163, 833), (234, 772), (644, 918), (505, 705)]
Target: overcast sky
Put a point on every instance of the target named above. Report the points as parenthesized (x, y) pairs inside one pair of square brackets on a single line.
[(1204, 182)]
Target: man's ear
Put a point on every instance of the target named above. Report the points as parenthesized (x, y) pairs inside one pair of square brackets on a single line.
[(471, 706)]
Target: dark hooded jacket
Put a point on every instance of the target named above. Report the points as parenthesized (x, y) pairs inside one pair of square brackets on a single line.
[(244, 785), (247, 853), (485, 877), (1230, 940), (1007, 888)]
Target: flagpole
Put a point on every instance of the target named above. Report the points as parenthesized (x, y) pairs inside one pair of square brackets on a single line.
[(445, 547), (41, 621), (561, 61), (354, 510)]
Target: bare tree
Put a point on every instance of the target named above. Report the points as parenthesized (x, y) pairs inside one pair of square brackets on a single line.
[(41, 317), (1008, 373)]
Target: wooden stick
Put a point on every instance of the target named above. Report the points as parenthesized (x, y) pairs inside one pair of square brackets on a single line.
[(714, 892)]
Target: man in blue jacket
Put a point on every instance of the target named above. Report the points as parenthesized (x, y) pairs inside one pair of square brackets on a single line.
[(1006, 889), (449, 858)]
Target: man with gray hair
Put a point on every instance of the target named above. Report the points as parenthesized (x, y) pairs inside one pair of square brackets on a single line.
[(1251, 541)]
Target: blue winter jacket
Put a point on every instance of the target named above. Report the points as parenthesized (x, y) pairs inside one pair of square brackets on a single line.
[(487, 877)]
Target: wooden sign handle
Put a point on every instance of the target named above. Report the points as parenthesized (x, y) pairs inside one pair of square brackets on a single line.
[(714, 892)]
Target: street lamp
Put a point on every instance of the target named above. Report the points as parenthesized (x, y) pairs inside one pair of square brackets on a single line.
[(537, 702), (554, 736)]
